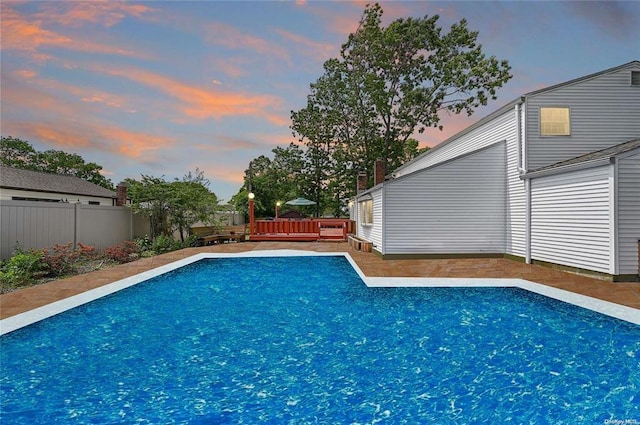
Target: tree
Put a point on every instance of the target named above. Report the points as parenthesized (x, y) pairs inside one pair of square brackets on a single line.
[(273, 181), (20, 154), (391, 82), (174, 206)]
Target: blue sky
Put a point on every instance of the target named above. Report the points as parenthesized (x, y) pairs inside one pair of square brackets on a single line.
[(165, 87)]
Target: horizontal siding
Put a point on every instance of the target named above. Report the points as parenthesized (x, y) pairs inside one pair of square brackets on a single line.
[(372, 233), (498, 129), (628, 214), (570, 219), (605, 111), (456, 207)]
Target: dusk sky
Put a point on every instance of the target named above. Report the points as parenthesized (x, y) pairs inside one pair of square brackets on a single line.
[(164, 87)]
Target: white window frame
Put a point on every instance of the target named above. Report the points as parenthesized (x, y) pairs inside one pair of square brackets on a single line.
[(366, 212), (556, 125)]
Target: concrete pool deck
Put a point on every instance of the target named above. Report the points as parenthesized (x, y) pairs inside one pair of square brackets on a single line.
[(623, 293)]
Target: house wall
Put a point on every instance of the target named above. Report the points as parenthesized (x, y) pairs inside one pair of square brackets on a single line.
[(37, 225), (605, 110), (373, 232), (628, 214), (503, 127), (454, 207), (8, 194), (571, 219)]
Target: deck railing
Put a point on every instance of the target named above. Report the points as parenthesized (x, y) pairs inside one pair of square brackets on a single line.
[(323, 228)]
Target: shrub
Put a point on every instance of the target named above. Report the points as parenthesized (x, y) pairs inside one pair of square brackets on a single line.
[(22, 269), (163, 243), (63, 260), (122, 253)]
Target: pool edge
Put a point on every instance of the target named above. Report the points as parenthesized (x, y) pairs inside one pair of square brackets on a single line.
[(27, 318)]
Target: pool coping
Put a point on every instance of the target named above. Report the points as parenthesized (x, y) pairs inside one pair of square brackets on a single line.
[(27, 318)]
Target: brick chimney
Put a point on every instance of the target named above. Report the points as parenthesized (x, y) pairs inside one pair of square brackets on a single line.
[(121, 195), (379, 171), (362, 182)]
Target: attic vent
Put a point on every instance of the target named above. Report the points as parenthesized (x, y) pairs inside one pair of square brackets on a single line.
[(635, 78)]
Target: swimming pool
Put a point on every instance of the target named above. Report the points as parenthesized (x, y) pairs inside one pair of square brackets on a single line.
[(304, 340)]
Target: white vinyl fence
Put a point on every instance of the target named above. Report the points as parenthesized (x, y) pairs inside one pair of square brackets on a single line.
[(37, 225)]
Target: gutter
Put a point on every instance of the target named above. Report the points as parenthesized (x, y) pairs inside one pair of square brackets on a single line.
[(521, 140)]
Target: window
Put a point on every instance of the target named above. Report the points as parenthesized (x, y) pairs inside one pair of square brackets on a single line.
[(635, 78), (366, 212), (94, 203), (554, 122)]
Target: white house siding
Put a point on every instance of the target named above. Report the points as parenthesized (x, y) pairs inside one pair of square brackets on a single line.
[(373, 233), (628, 213), (455, 207), (605, 110), (570, 219), (496, 130)]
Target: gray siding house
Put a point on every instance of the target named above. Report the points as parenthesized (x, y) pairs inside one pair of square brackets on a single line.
[(551, 177)]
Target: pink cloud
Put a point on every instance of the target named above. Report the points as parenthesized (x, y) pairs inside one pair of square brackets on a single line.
[(29, 36), (200, 103), (106, 138), (105, 13)]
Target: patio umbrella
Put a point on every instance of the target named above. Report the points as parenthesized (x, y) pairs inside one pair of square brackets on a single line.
[(300, 201)]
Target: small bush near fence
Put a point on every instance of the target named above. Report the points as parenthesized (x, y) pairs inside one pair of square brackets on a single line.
[(31, 267)]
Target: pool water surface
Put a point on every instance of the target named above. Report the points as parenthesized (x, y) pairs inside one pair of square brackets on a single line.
[(304, 340)]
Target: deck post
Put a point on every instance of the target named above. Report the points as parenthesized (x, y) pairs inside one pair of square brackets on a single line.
[(251, 214)]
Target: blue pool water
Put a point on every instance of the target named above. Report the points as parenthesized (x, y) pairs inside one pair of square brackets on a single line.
[(303, 340)]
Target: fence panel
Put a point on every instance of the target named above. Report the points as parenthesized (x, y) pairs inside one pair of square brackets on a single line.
[(37, 225), (103, 226)]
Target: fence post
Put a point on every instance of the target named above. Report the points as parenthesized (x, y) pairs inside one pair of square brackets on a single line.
[(76, 208)]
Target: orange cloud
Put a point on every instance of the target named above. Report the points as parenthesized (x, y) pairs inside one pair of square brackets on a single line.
[(231, 174), (111, 139), (221, 144), (29, 36), (87, 95), (106, 13), (199, 103), (228, 36)]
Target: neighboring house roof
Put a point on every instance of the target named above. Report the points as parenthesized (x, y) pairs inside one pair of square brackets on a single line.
[(15, 178), (292, 214), (511, 104), (593, 158)]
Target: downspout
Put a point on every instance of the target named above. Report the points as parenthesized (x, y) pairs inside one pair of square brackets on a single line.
[(521, 136)]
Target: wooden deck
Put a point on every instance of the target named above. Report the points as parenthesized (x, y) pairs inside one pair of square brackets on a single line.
[(309, 230), (285, 237)]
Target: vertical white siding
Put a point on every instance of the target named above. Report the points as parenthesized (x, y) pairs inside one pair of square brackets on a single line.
[(628, 213), (605, 110), (454, 207), (373, 232), (570, 219)]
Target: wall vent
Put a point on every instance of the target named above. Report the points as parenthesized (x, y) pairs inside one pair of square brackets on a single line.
[(635, 78)]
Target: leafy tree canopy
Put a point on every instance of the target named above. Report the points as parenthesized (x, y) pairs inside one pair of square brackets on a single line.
[(18, 153), (176, 205), (389, 83)]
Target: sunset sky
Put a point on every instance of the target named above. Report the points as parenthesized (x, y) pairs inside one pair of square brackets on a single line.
[(163, 87)]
